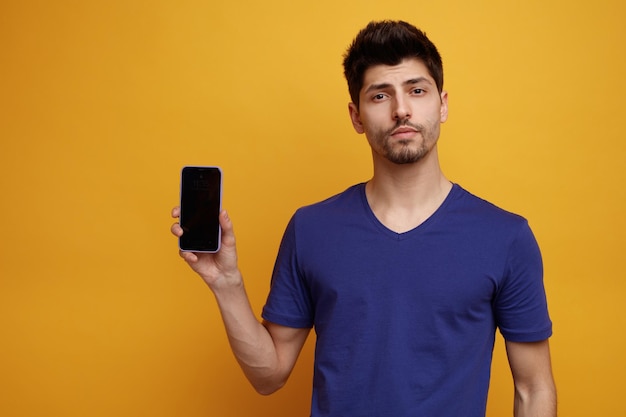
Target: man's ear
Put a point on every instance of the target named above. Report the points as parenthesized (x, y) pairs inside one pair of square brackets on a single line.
[(444, 107), (355, 117)]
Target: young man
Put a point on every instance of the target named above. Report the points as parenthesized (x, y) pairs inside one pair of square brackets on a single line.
[(405, 278)]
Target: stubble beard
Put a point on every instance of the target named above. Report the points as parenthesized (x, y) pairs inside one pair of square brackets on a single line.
[(400, 151)]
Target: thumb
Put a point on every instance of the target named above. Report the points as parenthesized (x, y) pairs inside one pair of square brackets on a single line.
[(228, 234)]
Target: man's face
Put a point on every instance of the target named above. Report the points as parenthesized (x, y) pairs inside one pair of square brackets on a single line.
[(400, 111)]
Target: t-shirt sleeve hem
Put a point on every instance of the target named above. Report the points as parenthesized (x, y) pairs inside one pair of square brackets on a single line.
[(286, 321), (526, 337)]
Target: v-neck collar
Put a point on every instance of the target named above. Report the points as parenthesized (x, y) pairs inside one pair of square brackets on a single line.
[(438, 213)]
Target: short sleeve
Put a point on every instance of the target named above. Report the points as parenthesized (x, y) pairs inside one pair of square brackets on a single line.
[(520, 304), (289, 300)]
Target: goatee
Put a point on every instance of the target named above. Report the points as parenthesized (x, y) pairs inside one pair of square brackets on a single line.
[(404, 155)]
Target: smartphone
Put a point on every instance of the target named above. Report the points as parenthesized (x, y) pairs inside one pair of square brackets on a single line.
[(200, 205)]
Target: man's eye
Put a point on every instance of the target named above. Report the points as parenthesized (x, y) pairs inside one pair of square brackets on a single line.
[(418, 91), (379, 97)]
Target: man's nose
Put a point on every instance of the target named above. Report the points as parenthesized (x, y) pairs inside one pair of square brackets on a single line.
[(402, 110)]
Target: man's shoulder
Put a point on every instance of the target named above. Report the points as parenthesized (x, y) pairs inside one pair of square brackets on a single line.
[(347, 199), (331, 213), (467, 203)]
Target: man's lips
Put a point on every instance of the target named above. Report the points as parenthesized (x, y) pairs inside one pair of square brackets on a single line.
[(404, 132)]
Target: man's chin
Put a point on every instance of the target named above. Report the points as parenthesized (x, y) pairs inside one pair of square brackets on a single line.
[(406, 156)]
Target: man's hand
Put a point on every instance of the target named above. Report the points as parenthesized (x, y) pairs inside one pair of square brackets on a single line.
[(218, 269)]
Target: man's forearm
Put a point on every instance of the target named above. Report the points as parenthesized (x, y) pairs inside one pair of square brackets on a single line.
[(250, 341), (536, 403)]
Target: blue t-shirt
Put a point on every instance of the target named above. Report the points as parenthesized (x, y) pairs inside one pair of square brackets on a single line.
[(405, 322)]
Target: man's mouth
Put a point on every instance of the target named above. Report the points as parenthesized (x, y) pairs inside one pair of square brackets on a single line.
[(404, 132)]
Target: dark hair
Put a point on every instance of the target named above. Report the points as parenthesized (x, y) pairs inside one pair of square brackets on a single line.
[(388, 43)]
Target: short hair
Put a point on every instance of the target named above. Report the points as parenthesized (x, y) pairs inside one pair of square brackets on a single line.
[(388, 42)]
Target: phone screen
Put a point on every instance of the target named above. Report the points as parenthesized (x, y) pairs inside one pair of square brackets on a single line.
[(200, 203)]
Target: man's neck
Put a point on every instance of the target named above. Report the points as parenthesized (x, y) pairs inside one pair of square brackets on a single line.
[(404, 196)]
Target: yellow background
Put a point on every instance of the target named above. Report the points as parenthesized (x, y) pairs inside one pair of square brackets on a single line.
[(102, 103)]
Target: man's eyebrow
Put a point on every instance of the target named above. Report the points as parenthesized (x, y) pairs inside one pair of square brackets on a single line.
[(411, 81), (417, 80), (376, 87)]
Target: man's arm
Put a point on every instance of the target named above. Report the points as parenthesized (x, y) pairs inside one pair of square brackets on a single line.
[(266, 352), (535, 392)]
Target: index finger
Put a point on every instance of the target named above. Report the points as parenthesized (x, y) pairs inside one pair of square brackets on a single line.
[(176, 212)]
